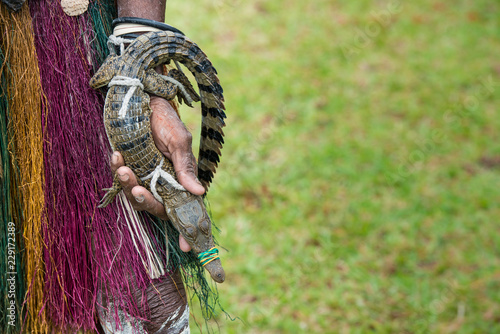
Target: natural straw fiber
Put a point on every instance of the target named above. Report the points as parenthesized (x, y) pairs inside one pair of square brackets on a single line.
[(20, 70)]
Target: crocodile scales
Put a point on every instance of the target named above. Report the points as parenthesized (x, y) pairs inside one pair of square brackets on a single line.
[(127, 123)]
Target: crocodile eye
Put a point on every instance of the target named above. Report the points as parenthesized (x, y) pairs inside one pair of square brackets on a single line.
[(191, 232), (205, 227)]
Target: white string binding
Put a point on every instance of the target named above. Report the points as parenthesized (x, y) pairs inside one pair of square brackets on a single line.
[(155, 176), (135, 225), (120, 41), (132, 84), (117, 41)]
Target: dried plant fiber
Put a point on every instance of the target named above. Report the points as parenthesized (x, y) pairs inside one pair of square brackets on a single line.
[(87, 249), (20, 72), (11, 284)]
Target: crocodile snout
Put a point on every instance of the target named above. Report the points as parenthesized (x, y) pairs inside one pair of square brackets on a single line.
[(215, 270)]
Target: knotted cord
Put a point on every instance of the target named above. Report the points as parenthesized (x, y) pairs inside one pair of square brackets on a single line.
[(132, 83), (155, 176)]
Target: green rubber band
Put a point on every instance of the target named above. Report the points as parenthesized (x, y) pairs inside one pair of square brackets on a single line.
[(208, 256)]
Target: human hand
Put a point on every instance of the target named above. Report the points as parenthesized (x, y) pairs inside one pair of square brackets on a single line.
[(174, 141)]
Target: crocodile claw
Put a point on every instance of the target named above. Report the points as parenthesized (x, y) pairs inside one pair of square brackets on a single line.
[(110, 193), (181, 77)]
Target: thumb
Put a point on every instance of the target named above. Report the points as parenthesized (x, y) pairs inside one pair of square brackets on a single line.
[(184, 165)]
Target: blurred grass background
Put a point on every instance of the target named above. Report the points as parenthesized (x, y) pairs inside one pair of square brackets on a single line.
[(359, 185)]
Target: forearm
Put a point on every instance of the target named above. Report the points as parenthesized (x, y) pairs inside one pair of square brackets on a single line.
[(146, 9)]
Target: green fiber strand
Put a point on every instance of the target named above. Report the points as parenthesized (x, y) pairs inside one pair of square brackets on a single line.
[(12, 284)]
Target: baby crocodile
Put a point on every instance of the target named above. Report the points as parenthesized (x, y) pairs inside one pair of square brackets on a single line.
[(127, 121)]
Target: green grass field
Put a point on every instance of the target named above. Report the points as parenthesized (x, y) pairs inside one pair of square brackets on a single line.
[(359, 185)]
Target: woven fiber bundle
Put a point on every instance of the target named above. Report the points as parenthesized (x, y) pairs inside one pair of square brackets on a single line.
[(74, 7)]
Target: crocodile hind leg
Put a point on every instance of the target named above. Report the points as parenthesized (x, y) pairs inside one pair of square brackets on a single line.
[(183, 80), (169, 86), (111, 192)]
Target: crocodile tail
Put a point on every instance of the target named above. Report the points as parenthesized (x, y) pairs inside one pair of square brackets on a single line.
[(212, 120), (212, 110), (161, 47)]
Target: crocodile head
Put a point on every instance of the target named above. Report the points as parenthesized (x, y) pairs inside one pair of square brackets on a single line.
[(105, 73), (196, 227)]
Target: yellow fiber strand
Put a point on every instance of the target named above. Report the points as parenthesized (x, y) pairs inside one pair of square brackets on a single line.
[(24, 92)]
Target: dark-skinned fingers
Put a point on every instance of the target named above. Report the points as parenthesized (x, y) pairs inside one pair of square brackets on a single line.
[(116, 161), (175, 142), (165, 124), (185, 169), (182, 140), (127, 180), (143, 200), (139, 197)]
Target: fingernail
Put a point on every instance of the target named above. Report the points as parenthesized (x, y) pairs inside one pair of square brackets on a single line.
[(123, 177), (140, 198), (114, 158)]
